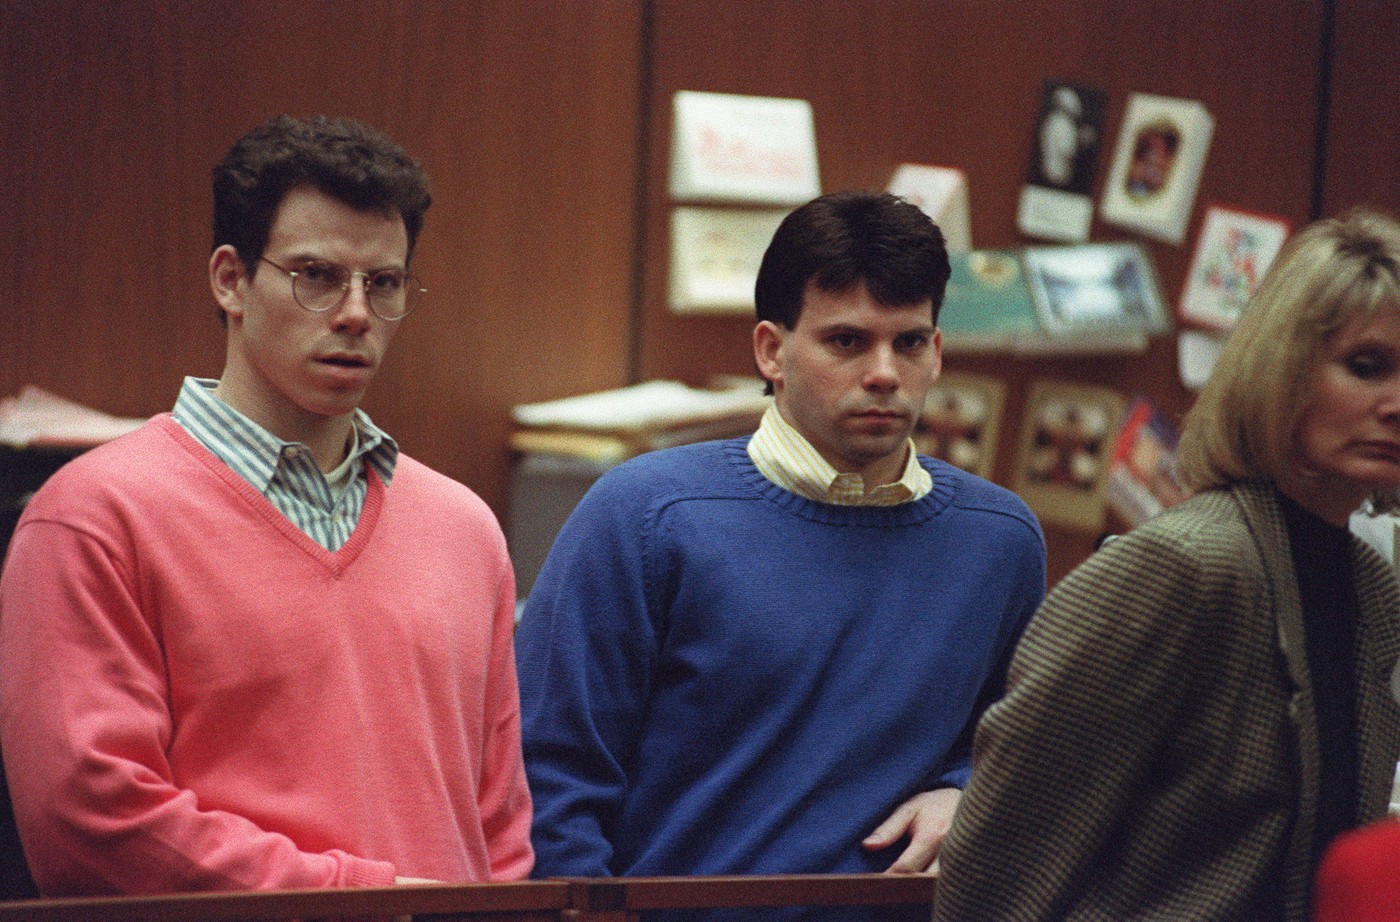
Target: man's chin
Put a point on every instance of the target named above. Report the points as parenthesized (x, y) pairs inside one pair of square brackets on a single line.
[(887, 449), (334, 406)]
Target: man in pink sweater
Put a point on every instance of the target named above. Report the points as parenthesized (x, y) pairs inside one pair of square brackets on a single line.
[(251, 645)]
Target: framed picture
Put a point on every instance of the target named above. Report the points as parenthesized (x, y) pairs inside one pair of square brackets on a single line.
[(1157, 165), (1067, 439), (1103, 293), (715, 253), (961, 421), (987, 306), (1234, 250), (1055, 201)]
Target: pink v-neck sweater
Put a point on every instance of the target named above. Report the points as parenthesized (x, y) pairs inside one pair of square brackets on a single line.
[(194, 695)]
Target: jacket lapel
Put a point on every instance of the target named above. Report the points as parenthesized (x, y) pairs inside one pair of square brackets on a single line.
[(1378, 640), (1264, 519)]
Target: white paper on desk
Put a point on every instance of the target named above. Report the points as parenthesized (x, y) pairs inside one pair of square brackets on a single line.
[(652, 404), (37, 417), (1196, 355)]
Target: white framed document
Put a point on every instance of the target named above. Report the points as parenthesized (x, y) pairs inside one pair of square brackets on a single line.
[(1234, 250), (754, 149), (1157, 165), (715, 254)]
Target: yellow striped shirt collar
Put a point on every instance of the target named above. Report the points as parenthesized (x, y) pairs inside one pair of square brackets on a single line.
[(785, 457)]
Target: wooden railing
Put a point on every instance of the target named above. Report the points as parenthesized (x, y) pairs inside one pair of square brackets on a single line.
[(559, 900)]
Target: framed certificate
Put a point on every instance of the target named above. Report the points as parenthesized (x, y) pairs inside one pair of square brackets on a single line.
[(759, 150), (715, 254)]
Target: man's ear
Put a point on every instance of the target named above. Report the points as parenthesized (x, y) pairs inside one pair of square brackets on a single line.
[(767, 350), (228, 279)]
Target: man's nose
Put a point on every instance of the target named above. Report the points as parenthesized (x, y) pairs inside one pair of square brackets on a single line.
[(1390, 402), (882, 374), (354, 313)]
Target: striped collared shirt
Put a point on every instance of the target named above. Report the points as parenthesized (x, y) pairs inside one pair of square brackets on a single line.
[(286, 472), (785, 457)]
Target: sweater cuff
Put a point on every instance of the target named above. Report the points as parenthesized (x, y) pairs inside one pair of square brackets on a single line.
[(361, 872), (955, 778)]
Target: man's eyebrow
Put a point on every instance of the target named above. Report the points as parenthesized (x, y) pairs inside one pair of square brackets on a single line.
[(926, 329), (310, 258), (305, 257)]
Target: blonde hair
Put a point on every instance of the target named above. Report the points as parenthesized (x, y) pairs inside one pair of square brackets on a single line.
[(1244, 423)]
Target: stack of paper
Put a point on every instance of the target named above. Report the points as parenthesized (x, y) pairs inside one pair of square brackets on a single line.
[(39, 418), (615, 424)]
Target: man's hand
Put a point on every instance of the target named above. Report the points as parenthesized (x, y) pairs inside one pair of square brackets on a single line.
[(925, 818)]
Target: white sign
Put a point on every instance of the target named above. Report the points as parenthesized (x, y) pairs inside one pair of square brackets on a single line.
[(941, 191), (715, 255), (743, 149)]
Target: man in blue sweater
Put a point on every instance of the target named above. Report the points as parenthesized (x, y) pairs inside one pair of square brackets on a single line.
[(767, 655)]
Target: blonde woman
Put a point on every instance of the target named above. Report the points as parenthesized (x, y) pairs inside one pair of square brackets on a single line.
[(1198, 709)]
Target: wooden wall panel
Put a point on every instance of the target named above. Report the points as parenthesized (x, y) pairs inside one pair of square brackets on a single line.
[(957, 84), (1363, 137), (524, 113)]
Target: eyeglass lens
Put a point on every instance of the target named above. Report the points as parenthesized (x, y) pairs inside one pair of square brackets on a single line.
[(391, 292)]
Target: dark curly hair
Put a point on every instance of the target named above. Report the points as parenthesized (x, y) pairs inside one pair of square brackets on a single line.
[(349, 161)]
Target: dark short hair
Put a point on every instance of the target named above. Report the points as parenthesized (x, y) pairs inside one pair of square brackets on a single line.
[(843, 239), (349, 161)]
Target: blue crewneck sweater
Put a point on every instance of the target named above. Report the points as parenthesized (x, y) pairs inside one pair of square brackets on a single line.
[(718, 676)]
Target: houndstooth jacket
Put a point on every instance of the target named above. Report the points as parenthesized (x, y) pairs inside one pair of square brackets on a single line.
[(1156, 754)]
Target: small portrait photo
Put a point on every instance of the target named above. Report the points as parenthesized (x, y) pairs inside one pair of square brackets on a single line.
[(1154, 155), (1066, 444), (960, 422), (1157, 164)]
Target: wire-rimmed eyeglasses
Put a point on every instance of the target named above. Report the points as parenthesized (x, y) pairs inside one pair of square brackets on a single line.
[(321, 286)]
